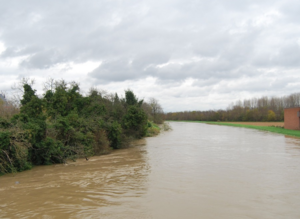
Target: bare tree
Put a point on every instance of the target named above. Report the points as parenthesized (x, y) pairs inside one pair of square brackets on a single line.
[(49, 85), (18, 90), (156, 110)]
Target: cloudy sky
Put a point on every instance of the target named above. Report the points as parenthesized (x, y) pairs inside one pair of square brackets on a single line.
[(190, 55)]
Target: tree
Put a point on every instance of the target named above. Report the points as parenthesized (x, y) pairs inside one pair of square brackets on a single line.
[(271, 115), (63, 124), (131, 99), (135, 121), (156, 110), (18, 89)]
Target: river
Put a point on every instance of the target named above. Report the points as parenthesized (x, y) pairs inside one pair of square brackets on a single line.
[(194, 171)]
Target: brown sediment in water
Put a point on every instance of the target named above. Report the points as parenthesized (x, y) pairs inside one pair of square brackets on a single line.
[(194, 171), (71, 190)]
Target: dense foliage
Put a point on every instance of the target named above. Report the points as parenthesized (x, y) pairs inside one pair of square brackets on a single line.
[(256, 109), (63, 124)]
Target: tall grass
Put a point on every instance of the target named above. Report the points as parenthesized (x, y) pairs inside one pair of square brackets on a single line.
[(8, 109)]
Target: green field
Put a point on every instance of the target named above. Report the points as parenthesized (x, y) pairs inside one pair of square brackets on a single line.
[(295, 133)]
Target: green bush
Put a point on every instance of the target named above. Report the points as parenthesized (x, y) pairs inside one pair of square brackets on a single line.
[(13, 152), (64, 125), (114, 134), (135, 121)]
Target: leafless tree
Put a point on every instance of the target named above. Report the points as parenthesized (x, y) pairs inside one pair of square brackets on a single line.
[(255, 109), (156, 110), (49, 85), (18, 90)]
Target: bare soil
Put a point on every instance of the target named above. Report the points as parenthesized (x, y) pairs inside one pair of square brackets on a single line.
[(281, 124)]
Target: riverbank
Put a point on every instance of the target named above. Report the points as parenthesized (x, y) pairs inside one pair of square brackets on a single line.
[(260, 126), (63, 124), (153, 129)]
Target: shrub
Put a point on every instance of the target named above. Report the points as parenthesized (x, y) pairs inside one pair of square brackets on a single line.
[(13, 151), (152, 131), (101, 142), (135, 121), (114, 134), (65, 125)]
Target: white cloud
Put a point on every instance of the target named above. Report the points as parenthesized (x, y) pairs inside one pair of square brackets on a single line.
[(267, 18), (188, 54), (2, 47)]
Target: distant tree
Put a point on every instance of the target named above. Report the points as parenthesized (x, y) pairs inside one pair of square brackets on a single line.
[(271, 115), (156, 110)]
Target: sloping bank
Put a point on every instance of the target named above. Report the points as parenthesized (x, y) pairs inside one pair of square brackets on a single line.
[(279, 130)]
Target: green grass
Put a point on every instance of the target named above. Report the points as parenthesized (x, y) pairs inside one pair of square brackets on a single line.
[(153, 129), (155, 126), (295, 133)]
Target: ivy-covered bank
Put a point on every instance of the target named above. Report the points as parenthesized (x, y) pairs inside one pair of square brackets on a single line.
[(63, 124)]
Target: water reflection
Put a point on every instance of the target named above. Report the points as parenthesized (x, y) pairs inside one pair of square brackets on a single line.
[(292, 145)]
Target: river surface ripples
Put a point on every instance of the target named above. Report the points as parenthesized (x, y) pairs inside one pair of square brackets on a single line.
[(194, 171)]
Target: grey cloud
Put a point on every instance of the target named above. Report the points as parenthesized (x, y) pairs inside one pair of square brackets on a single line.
[(287, 56), (203, 69), (116, 70), (125, 68), (12, 52), (290, 10), (173, 40), (43, 59)]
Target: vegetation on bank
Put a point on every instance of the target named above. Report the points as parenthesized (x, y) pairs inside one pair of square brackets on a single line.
[(63, 124), (255, 109), (279, 130), (153, 129)]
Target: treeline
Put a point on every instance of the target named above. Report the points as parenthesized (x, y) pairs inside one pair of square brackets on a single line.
[(255, 109), (63, 124)]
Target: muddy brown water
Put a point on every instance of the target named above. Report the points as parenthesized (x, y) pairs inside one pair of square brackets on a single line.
[(194, 171)]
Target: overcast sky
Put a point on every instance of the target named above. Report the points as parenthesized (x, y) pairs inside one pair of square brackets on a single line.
[(190, 55)]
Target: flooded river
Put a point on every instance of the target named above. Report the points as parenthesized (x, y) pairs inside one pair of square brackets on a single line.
[(195, 171)]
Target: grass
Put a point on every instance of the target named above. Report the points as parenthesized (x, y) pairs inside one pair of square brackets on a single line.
[(279, 130), (153, 129)]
